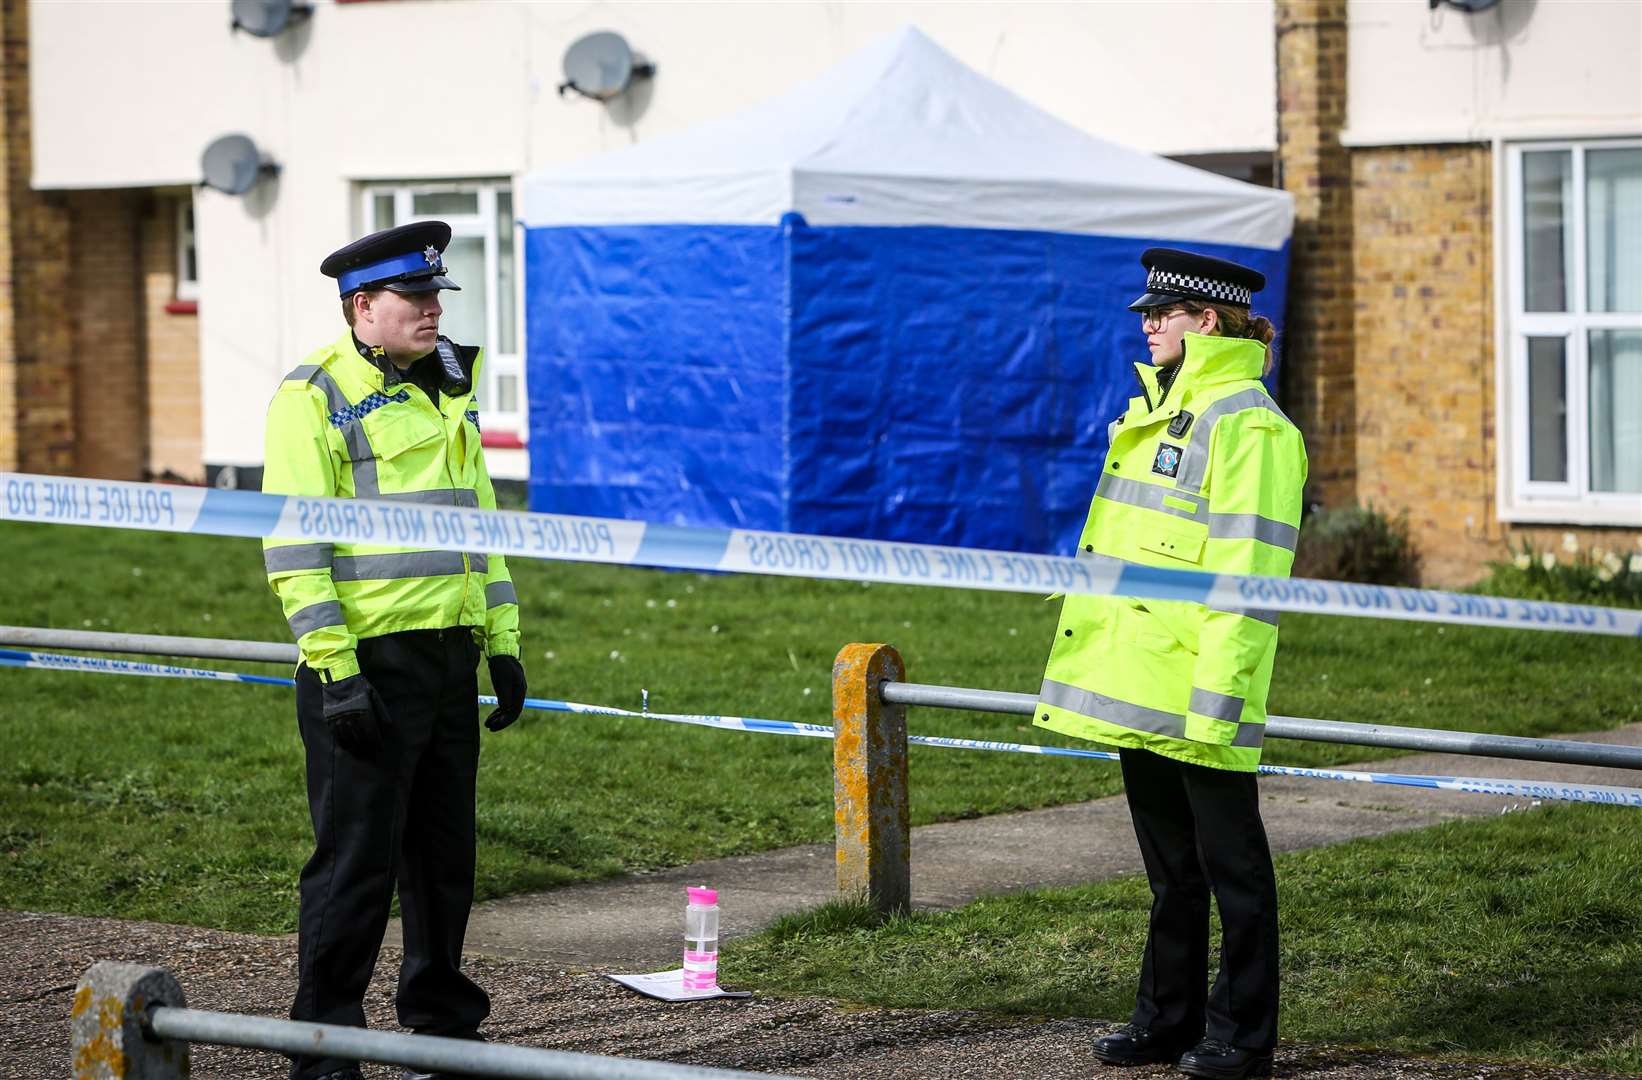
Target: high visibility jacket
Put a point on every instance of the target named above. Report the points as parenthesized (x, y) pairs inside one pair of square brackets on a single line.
[(1208, 478), (338, 426)]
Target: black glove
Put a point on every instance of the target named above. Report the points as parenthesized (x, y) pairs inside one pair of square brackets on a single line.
[(355, 714), (507, 675)]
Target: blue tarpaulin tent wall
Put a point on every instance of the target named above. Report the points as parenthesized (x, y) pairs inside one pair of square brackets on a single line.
[(891, 304)]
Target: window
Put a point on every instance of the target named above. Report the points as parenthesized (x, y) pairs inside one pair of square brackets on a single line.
[(481, 259), (1574, 337), (188, 270)]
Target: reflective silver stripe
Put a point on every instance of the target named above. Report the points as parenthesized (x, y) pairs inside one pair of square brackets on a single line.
[(361, 455), (479, 563), (433, 497), (1122, 713), (1253, 527), (1194, 463), (1219, 706), (1249, 735), (413, 564), (1259, 614), (314, 616), (1148, 496), (302, 373), (500, 592), (297, 557)]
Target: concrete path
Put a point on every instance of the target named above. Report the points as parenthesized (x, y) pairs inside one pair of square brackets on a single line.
[(635, 923)]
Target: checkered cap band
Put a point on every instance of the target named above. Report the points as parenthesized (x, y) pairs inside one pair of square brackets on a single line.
[(1190, 284), (371, 402)]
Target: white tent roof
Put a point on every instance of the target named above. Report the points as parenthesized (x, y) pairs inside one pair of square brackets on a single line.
[(902, 133)]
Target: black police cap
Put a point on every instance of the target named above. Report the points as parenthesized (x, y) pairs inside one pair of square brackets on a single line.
[(1173, 275), (406, 259)]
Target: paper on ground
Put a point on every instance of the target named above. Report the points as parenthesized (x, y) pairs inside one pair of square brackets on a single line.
[(669, 986)]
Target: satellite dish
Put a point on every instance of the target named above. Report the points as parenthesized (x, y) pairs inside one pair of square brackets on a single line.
[(232, 165), (601, 65), (266, 18), (1470, 7)]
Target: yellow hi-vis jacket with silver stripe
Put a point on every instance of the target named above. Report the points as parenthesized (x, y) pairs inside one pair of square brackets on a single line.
[(335, 428), (1208, 479)]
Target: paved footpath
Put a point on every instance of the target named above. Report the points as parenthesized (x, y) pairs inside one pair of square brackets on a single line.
[(633, 923)]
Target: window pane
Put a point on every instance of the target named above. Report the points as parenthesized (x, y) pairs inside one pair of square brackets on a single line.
[(1613, 229), (190, 267), (384, 212), (504, 274), (1547, 242), (1616, 410), (507, 393), (1547, 410), (437, 203), (464, 318)]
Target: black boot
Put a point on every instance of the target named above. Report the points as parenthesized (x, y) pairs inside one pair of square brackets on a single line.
[(1217, 1060), (1134, 1045)]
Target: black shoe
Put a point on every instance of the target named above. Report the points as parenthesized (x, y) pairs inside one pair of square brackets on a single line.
[(350, 1073), (1218, 1060), (1135, 1045)]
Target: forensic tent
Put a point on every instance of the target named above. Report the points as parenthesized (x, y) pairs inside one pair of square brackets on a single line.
[(890, 303)]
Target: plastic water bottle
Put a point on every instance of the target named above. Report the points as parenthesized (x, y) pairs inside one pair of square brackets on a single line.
[(701, 939)]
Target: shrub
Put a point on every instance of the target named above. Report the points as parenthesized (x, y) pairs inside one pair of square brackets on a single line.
[(1571, 576), (1357, 543)]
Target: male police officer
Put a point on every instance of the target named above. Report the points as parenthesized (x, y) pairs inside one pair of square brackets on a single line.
[(390, 638)]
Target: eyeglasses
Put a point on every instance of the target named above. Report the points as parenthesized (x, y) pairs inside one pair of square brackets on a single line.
[(1156, 319)]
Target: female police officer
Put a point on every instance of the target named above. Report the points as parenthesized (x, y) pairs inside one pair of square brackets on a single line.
[(1204, 473)]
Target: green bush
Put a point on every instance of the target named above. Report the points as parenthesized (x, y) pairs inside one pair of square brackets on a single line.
[(1570, 576), (1357, 543)]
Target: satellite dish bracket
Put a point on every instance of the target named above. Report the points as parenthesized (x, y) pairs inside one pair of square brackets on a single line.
[(640, 71), (297, 13)]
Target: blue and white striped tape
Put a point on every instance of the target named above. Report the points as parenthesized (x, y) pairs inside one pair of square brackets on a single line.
[(1476, 785), (170, 508)]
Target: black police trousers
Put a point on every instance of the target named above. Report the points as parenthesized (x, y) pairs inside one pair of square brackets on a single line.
[(403, 816), (1200, 832)]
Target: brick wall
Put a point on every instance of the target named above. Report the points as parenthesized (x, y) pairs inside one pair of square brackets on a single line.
[(1319, 357), (172, 346), (106, 319), (37, 413), (1424, 324)]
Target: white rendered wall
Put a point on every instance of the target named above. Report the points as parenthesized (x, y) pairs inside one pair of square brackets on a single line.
[(1522, 69), (126, 93)]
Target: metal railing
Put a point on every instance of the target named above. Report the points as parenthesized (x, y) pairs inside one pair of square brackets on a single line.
[(1435, 740), (139, 1015), (149, 644)]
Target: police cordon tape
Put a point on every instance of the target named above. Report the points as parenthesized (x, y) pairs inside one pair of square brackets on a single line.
[(1474, 785), (177, 509)]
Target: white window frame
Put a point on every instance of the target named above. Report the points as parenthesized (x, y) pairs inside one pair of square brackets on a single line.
[(188, 288), (1569, 501), (480, 225)]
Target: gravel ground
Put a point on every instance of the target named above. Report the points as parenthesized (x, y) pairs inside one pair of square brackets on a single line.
[(534, 1004)]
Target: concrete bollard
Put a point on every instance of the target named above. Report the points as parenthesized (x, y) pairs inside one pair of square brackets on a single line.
[(107, 1025), (871, 820)]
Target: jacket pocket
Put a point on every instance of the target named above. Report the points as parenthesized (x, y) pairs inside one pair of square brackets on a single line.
[(1183, 541), (405, 430)]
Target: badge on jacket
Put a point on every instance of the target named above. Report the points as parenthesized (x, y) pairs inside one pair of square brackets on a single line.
[(1167, 461)]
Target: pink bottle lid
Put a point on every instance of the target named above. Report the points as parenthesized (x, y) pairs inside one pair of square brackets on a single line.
[(700, 894)]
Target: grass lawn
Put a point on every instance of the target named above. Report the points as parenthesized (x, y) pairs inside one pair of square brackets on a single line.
[(1514, 938), (182, 801)]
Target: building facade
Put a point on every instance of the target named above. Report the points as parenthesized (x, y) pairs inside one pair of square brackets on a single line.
[(1465, 329)]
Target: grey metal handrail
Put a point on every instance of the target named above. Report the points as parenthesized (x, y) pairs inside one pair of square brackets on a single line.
[(150, 644), (461, 1056), (1436, 740)]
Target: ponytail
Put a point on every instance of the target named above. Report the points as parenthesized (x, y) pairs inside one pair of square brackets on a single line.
[(1239, 323)]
